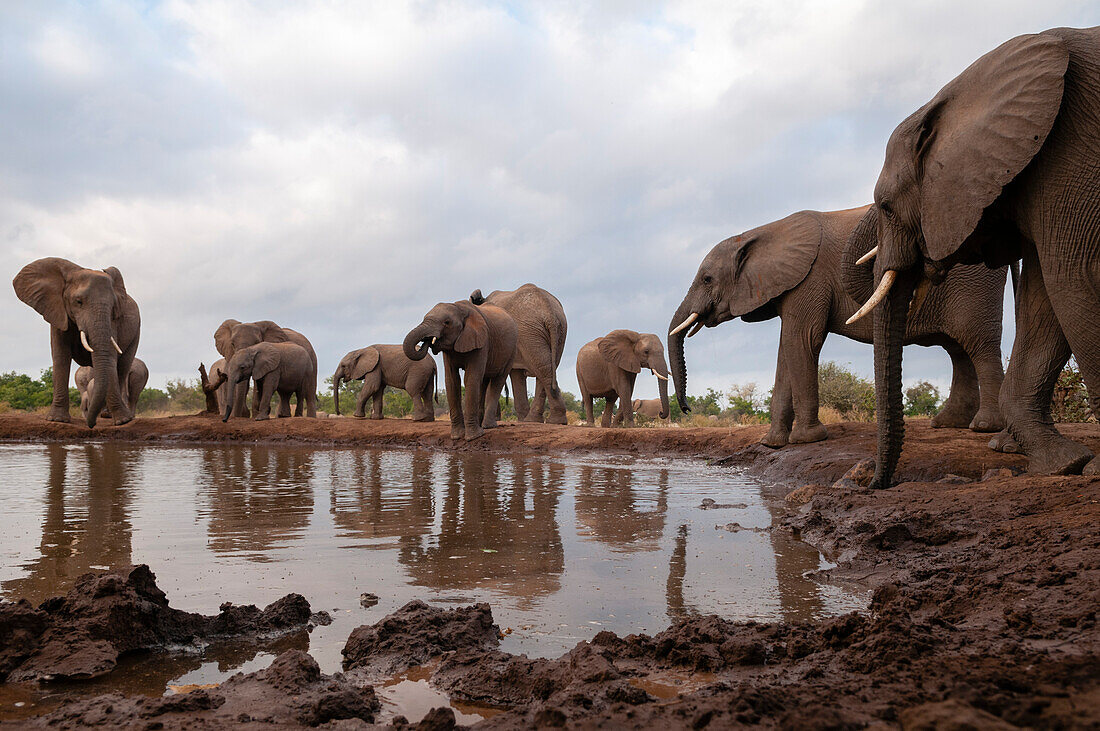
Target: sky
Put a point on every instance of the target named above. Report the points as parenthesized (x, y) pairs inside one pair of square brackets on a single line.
[(340, 167)]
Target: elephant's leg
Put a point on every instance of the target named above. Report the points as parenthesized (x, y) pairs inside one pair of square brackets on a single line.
[(626, 401), (557, 404), (608, 411), (782, 408), (361, 402), (962, 402), (121, 412), (310, 389), (379, 399), (62, 361), (284, 405), (587, 399), (519, 394), (266, 389), (800, 345), (986, 360), (1039, 353), (474, 400), (454, 397), (492, 401), (538, 404)]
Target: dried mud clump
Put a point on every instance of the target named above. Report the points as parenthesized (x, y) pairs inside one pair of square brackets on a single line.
[(107, 614), (417, 632)]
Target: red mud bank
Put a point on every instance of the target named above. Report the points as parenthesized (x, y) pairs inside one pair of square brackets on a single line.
[(986, 587)]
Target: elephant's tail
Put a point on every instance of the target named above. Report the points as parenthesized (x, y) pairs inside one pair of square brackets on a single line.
[(1014, 269), (435, 385), (557, 344)]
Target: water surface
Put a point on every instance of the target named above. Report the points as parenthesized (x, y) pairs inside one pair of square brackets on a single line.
[(561, 548)]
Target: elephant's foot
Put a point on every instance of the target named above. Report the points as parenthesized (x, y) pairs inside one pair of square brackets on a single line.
[(458, 432), (1003, 442), (806, 435), (987, 421), (261, 417), (1062, 457), (472, 434), (489, 424), (557, 418), (1092, 468), (376, 417), (360, 416), (57, 414), (533, 418), (776, 437), (426, 417), (949, 418), (124, 418)]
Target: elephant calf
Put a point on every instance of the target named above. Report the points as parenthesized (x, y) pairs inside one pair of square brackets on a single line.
[(649, 407), (232, 335), (379, 366), (134, 384), (481, 340), (283, 368), (608, 366)]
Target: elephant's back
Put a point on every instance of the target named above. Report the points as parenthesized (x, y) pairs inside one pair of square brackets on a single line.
[(301, 340)]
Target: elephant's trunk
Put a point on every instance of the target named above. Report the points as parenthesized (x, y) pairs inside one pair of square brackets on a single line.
[(106, 388), (890, 320), (415, 346), (238, 391), (662, 388), (676, 356), (336, 378), (230, 402)]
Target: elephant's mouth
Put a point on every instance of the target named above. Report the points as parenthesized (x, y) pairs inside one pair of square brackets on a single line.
[(710, 316)]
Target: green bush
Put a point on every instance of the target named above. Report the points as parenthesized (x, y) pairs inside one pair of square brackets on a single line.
[(154, 399), (23, 393), (840, 389), (922, 399), (1071, 400)]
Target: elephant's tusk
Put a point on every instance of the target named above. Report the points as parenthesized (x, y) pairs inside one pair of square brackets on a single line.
[(663, 378), (868, 256), (683, 325), (919, 294), (433, 341), (884, 285), (84, 342), (115, 343), (697, 328)]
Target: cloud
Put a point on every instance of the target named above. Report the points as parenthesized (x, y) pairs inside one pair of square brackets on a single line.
[(341, 166)]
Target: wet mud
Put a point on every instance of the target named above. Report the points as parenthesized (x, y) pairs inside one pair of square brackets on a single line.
[(985, 585)]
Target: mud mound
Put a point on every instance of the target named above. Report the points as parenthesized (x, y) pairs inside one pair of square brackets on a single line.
[(107, 614), (292, 692), (416, 633)]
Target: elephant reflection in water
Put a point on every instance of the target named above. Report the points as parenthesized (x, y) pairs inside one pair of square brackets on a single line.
[(88, 496), (374, 499), (256, 497), (489, 538), (616, 514)]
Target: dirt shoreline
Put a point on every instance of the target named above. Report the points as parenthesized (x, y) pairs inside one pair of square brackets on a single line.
[(986, 590)]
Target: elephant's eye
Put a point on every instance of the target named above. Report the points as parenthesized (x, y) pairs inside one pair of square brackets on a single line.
[(887, 209), (707, 279), (79, 300)]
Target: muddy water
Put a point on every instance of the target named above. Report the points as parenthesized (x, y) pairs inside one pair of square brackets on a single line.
[(561, 548)]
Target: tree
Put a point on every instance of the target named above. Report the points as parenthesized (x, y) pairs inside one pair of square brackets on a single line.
[(922, 399), (839, 388)]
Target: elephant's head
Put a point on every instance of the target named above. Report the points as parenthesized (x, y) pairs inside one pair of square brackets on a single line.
[(353, 367), (254, 362), (457, 327), (86, 305), (632, 352), (936, 198), (233, 335), (742, 277)]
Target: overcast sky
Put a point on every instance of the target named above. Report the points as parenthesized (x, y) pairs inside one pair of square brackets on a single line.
[(340, 167)]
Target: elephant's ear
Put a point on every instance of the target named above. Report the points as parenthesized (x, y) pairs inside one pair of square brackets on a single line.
[(116, 278), (476, 297), (859, 279), (475, 332), (364, 364), (617, 348), (267, 360), (980, 131), (41, 284), (223, 338), (272, 333), (773, 260)]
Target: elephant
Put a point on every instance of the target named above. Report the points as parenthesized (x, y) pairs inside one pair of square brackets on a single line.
[(480, 340), (607, 367), (648, 407), (93, 321), (216, 387), (791, 268), (542, 326), (283, 368), (135, 384), (232, 335), (1001, 165), (379, 366)]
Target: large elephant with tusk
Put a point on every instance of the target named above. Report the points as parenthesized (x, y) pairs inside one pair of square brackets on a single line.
[(1000, 165), (792, 269), (607, 368), (93, 321)]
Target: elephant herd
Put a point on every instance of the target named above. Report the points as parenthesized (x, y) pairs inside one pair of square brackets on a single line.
[(1002, 166)]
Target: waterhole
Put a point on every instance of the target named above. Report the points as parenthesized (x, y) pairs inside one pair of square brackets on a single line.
[(562, 548)]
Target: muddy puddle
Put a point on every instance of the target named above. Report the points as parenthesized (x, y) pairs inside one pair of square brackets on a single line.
[(560, 547)]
